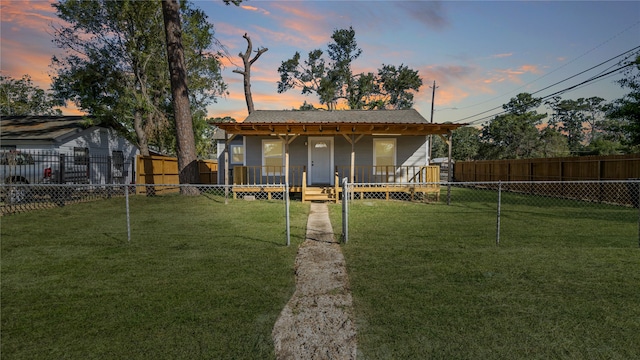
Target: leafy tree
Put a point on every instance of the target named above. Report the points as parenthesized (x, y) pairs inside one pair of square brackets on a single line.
[(115, 66), (21, 97), (465, 147), (513, 135), (332, 79), (395, 85), (626, 111), (553, 143), (578, 119), (466, 143), (306, 106), (602, 146)]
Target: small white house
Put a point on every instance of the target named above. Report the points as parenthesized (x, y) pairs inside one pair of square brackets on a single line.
[(107, 156)]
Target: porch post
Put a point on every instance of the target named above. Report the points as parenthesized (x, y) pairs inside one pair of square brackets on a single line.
[(353, 159), (449, 177), (226, 167), (286, 160)]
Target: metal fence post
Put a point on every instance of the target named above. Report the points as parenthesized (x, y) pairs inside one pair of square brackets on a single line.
[(126, 195), (637, 187), (498, 216), (286, 201), (345, 211)]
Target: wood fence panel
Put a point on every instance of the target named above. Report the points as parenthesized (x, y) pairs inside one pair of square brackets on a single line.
[(614, 167), (161, 170)]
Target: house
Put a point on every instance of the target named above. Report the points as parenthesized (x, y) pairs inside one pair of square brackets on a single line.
[(99, 153), (312, 150)]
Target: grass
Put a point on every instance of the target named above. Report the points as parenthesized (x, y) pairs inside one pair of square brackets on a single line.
[(199, 279), (429, 281)]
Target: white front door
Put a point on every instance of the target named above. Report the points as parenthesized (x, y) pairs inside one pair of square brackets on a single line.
[(320, 161)]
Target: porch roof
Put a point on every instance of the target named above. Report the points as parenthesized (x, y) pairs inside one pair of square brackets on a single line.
[(318, 122)]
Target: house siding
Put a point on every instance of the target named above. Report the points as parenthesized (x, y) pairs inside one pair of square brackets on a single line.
[(410, 151)]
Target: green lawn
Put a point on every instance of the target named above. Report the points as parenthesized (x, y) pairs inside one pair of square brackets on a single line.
[(199, 279), (429, 281)]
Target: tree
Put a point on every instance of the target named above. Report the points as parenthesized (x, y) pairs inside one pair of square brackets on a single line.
[(115, 67), (578, 119), (553, 143), (332, 79), (465, 147), (246, 72), (626, 111), (21, 97), (513, 135), (186, 146), (396, 85)]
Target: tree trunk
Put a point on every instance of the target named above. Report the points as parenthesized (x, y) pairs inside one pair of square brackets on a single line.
[(185, 141), (138, 126), (247, 71)]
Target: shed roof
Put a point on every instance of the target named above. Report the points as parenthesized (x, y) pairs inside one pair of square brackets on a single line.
[(48, 128), (315, 122)]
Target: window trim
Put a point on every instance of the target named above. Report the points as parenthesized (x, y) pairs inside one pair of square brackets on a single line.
[(263, 158), (233, 146), (80, 156), (379, 171)]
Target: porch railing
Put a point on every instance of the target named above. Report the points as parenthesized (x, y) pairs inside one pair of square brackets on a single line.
[(390, 174), (267, 175), (274, 175)]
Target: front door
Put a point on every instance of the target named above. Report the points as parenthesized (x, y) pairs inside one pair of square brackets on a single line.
[(320, 161)]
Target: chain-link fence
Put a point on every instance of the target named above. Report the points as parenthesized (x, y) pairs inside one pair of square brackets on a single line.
[(563, 206), (560, 204), (20, 198)]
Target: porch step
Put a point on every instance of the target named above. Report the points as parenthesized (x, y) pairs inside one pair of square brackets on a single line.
[(325, 193)]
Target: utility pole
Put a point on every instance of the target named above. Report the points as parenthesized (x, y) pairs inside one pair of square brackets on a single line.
[(433, 96)]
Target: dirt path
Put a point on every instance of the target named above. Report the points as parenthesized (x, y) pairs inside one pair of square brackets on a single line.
[(317, 321)]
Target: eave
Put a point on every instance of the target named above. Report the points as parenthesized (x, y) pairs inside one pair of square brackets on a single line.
[(319, 129)]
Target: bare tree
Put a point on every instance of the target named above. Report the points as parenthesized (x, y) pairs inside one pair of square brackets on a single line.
[(247, 70), (185, 141)]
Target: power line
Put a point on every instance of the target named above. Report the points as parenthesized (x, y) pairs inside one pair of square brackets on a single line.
[(560, 67), (559, 92), (601, 75)]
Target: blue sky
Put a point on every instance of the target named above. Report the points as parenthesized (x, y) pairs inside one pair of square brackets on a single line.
[(480, 53)]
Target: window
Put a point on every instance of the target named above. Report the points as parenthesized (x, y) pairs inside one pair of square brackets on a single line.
[(272, 157), (384, 154), (237, 154), (80, 156), (118, 163)]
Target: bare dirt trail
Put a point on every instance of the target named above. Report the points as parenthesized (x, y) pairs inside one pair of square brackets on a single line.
[(317, 322)]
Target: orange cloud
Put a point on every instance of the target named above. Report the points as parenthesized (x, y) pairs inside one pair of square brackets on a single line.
[(253, 8), (28, 14), (499, 56), (306, 23), (513, 75)]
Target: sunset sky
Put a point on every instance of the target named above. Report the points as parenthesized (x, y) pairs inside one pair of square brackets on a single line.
[(480, 53)]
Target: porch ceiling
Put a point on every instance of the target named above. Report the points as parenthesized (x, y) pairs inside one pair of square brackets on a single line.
[(337, 128)]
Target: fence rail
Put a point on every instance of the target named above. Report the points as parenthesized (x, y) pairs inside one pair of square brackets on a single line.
[(615, 202), (583, 168), (609, 200), (53, 167)]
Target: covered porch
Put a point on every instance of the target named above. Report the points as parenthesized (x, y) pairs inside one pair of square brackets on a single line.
[(422, 182), (318, 149)]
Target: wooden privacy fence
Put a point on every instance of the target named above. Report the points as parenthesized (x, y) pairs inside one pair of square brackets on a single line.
[(584, 168), (160, 170), (571, 177)]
